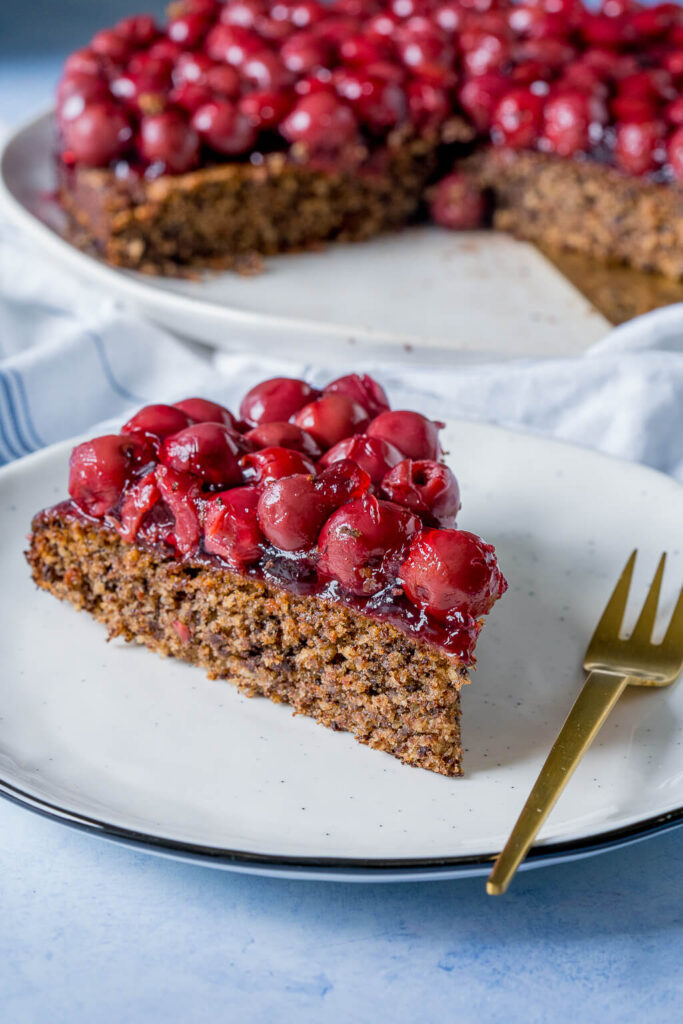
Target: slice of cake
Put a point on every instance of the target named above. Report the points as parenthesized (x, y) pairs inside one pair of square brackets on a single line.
[(258, 126), (307, 552)]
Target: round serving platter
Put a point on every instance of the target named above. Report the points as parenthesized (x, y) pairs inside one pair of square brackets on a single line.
[(111, 739), (420, 294)]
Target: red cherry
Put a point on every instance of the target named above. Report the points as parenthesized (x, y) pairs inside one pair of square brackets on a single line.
[(485, 52), (599, 30), (639, 146), (140, 30), (320, 121), (266, 109), (190, 97), (231, 528), (673, 63), (201, 410), (654, 22), (449, 571), (98, 135), (290, 512), (457, 203), (99, 470), (567, 122), (674, 112), (142, 93), (633, 109), (138, 501), (206, 450), (224, 128), (265, 70), (303, 51), (413, 434), (84, 61), (381, 26), (162, 50), (425, 487), (194, 67), (283, 435), (275, 400), (223, 80), (361, 388), (421, 46), (188, 29), (479, 97), (360, 544), (303, 13), (551, 54), (654, 84), (230, 44), (334, 30), (361, 51), (341, 482), (244, 13), (274, 463), (372, 454), (319, 81), (76, 91), (108, 43), (182, 494), (428, 104), (207, 8), (377, 103), (331, 418), (449, 17), (675, 153), (517, 119), (168, 139), (157, 422)]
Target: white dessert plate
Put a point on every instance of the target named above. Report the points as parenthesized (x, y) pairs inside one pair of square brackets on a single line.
[(114, 740), (419, 294)]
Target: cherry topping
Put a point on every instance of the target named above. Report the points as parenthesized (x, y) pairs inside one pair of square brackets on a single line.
[(517, 118), (231, 44), (372, 454), (206, 450), (231, 528), (413, 434), (168, 139), (157, 421), (182, 493), (187, 29), (425, 487), (379, 104), (283, 435), (319, 121), (201, 410), (291, 513), (457, 203), (331, 418), (99, 470), (265, 108), (275, 400), (361, 388), (675, 153), (567, 122), (111, 44), (75, 91), (341, 482), (138, 501), (639, 146), (139, 30), (223, 127), (450, 571), (98, 135), (479, 97), (274, 463), (360, 543), (304, 51)]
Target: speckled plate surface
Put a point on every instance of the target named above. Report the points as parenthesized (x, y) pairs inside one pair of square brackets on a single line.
[(414, 295), (110, 738)]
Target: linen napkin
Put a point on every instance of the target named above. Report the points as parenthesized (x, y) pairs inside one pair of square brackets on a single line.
[(71, 357)]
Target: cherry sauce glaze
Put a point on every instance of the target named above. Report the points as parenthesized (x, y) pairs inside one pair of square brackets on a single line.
[(332, 84), (327, 493)]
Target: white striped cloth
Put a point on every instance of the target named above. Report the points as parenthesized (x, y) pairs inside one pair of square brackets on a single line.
[(70, 357)]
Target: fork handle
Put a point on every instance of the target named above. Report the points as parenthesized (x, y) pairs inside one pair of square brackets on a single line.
[(600, 693)]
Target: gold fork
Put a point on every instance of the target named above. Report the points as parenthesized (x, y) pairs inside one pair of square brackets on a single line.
[(612, 664)]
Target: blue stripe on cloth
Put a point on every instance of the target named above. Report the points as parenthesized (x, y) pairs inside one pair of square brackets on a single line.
[(26, 407), (108, 372), (8, 423)]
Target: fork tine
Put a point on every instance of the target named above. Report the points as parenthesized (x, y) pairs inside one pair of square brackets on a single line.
[(673, 638), (646, 620), (612, 618)]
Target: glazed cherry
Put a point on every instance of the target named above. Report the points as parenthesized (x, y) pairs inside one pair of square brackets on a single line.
[(452, 571), (379, 104), (331, 418), (479, 98), (187, 29), (110, 44), (139, 30), (265, 70), (675, 153), (223, 80), (283, 435), (77, 90), (96, 136), (181, 493), (422, 46), (201, 410), (341, 482), (231, 529), (517, 119), (145, 94), (457, 203), (485, 52), (567, 120), (361, 542), (639, 146), (360, 50), (224, 128), (428, 104), (274, 463), (206, 450), (304, 51), (290, 512), (265, 108), (168, 139), (413, 434), (84, 61), (320, 121), (361, 388), (231, 44), (275, 400), (194, 67), (99, 470), (372, 454), (426, 487), (138, 501), (157, 421), (244, 13), (674, 112)]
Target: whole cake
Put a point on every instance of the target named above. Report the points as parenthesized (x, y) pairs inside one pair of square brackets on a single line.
[(307, 552), (251, 127)]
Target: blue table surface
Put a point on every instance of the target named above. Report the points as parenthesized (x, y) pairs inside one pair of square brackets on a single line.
[(94, 933)]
